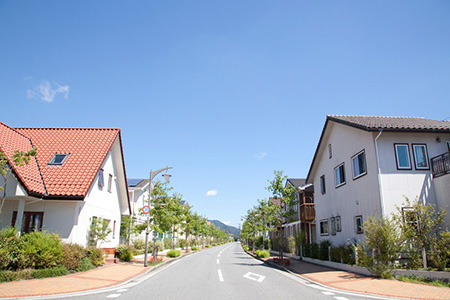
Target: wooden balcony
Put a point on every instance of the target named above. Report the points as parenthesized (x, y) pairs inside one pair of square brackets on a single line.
[(307, 212)]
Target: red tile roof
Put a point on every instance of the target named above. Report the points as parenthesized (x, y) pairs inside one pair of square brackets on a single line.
[(87, 149)]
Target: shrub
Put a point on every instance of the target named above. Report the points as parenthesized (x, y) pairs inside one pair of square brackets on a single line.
[(262, 254), (73, 254), (139, 244), (323, 249), (214, 244), (8, 275), (315, 250), (181, 243), (49, 272), (124, 252), (173, 253), (96, 256), (167, 244), (85, 265), (195, 248), (158, 260), (41, 250), (207, 246), (10, 247)]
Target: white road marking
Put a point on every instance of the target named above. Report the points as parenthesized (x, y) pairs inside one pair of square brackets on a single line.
[(122, 290), (340, 298), (113, 296), (220, 275), (217, 261), (254, 277), (328, 293)]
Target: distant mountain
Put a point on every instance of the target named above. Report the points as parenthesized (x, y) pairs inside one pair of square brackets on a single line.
[(228, 229)]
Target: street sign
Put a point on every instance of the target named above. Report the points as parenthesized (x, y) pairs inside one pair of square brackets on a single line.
[(146, 209)]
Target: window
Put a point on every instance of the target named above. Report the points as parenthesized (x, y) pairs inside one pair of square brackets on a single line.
[(330, 151), (324, 227), (402, 156), (421, 156), (333, 226), (31, 221), (410, 216), (322, 184), (339, 171), (359, 224), (110, 183), (338, 224), (101, 182), (359, 164), (114, 230), (58, 159), (448, 145)]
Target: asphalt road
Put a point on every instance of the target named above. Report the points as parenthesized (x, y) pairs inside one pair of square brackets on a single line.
[(219, 273)]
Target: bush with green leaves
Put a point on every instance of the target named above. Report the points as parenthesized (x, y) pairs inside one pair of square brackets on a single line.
[(7, 275), (323, 249), (173, 253), (181, 243), (207, 246), (10, 247), (85, 265), (96, 256), (167, 244), (262, 253), (315, 250), (139, 244), (41, 250), (195, 248), (73, 254), (124, 252)]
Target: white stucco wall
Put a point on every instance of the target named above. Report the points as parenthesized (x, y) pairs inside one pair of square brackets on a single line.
[(357, 196)]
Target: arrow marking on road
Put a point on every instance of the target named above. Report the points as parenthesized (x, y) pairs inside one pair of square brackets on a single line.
[(254, 277)]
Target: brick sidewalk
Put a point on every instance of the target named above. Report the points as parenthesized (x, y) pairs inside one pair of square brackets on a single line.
[(106, 276), (364, 284)]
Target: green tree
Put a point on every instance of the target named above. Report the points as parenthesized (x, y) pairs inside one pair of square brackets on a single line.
[(287, 194), (98, 232)]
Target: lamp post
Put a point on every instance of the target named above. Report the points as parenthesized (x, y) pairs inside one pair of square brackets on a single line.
[(152, 176)]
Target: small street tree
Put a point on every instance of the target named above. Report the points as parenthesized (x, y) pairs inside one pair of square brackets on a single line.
[(288, 198)]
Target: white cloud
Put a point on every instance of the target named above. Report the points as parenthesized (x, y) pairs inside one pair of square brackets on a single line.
[(260, 155), (211, 193), (45, 92)]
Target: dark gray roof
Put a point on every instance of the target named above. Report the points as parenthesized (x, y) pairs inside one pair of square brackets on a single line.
[(134, 182), (297, 182), (371, 123)]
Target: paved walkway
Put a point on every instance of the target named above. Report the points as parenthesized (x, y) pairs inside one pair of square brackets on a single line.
[(116, 273)]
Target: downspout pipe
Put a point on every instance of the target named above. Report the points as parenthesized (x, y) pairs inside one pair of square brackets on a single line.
[(380, 186)]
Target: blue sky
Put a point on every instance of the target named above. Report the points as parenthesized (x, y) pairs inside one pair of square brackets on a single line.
[(225, 92)]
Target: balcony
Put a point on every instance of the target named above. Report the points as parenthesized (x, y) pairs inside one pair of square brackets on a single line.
[(307, 212), (440, 164)]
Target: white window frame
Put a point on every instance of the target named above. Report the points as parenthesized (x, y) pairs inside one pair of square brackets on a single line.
[(336, 177), (356, 157), (325, 221), (396, 146), (423, 146)]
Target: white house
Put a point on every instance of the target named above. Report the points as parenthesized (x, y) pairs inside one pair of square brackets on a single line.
[(366, 166), (77, 176)]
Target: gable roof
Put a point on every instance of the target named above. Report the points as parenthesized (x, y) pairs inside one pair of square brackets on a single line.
[(376, 123), (87, 149), (414, 124), (296, 182)]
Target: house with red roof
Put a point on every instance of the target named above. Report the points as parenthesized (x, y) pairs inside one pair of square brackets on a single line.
[(77, 177), (366, 166)]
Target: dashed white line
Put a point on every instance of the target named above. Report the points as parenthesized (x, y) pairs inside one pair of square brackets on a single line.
[(220, 275), (113, 296), (340, 298), (328, 293), (218, 261), (122, 290)]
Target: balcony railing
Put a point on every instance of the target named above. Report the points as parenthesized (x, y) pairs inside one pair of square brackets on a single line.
[(441, 164), (307, 212)]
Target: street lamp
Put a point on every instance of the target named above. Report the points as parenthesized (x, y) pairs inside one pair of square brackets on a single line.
[(166, 177)]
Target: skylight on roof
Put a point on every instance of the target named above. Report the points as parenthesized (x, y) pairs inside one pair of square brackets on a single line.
[(58, 159)]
